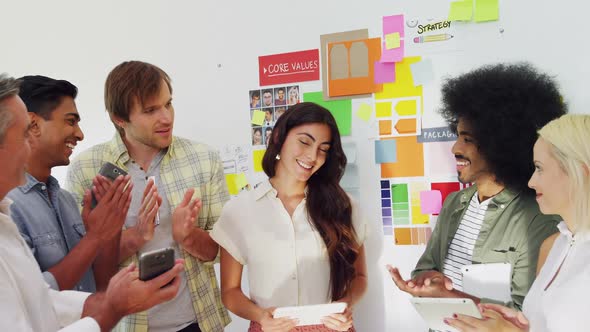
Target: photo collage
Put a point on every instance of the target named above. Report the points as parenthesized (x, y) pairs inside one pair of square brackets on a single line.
[(266, 106)]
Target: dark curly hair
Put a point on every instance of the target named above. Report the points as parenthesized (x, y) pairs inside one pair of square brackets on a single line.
[(328, 205), (504, 105)]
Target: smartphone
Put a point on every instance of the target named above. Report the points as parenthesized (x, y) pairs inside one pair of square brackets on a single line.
[(155, 262), (111, 172)]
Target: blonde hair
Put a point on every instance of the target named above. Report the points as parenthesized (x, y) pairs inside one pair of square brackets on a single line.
[(568, 137)]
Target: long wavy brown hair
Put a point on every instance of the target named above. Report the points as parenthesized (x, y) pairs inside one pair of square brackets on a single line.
[(327, 204)]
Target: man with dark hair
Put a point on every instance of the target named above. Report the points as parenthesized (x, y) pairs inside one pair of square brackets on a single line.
[(70, 256), (266, 98), (280, 99), (254, 99), (189, 177), (26, 302), (496, 112)]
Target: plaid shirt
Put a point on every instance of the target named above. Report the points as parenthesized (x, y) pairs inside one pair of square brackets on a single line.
[(186, 165)]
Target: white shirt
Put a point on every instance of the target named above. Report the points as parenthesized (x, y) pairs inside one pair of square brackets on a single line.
[(461, 249), (287, 259), (26, 301), (564, 305)]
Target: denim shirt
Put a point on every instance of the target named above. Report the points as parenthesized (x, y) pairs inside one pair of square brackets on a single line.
[(50, 223)]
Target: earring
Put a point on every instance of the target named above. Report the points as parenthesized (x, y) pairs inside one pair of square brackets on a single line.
[(278, 157)]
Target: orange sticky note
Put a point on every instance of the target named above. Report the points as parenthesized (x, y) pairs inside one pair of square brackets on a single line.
[(403, 236), (384, 127), (406, 126), (410, 159)]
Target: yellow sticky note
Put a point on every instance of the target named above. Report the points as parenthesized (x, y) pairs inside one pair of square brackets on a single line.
[(392, 40), (241, 181), (257, 117), (406, 107), (364, 112), (404, 81), (383, 110), (461, 10), (486, 10), (230, 180), (257, 158)]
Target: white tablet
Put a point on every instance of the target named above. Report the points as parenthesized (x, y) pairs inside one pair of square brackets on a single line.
[(435, 310), (489, 281), (310, 314)]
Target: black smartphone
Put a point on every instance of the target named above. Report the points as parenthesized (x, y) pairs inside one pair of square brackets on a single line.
[(111, 172), (153, 263)]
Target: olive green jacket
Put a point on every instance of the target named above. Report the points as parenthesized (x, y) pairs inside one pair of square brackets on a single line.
[(512, 232)]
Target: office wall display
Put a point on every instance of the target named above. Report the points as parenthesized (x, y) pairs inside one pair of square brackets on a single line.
[(400, 168)]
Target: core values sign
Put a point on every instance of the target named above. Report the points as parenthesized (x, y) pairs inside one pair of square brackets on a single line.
[(289, 67)]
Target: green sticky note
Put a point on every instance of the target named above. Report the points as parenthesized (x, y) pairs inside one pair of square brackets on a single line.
[(257, 117), (392, 40), (486, 10), (340, 109), (461, 10), (399, 193), (364, 112)]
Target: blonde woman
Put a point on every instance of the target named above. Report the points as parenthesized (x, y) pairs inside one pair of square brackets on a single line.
[(557, 301)]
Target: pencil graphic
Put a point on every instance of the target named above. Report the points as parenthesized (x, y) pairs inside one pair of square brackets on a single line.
[(432, 38)]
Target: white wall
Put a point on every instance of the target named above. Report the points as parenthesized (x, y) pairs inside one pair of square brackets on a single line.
[(210, 50)]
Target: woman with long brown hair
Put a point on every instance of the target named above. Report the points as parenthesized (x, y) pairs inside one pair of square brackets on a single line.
[(298, 232)]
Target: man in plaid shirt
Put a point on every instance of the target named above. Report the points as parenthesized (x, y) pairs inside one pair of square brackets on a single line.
[(178, 184)]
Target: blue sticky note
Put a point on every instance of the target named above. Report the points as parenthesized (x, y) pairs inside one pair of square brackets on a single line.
[(385, 151)]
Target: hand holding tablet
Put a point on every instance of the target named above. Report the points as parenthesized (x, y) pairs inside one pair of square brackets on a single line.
[(310, 314)]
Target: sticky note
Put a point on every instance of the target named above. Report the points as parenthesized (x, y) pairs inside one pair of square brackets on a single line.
[(392, 49), (392, 40), (406, 107), (403, 236), (364, 112), (230, 180), (384, 127), (486, 10), (422, 72), (385, 151), (257, 117), (410, 159), (430, 201), (406, 126), (340, 109), (383, 110), (241, 181), (384, 72), (257, 159), (404, 83), (461, 11)]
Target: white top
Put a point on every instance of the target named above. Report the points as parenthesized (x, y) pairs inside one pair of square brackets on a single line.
[(461, 249), (287, 259), (26, 301), (564, 305)]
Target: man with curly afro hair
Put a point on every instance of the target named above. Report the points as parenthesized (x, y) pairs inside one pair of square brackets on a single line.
[(495, 111)]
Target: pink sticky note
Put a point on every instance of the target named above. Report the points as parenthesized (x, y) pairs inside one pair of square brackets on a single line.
[(430, 201), (384, 72), (393, 24), (394, 54)]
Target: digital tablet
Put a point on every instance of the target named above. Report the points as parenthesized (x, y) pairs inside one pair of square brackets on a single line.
[(310, 314), (488, 281), (435, 310)]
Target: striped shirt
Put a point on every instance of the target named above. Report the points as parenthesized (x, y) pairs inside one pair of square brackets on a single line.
[(185, 165), (461, 249)]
